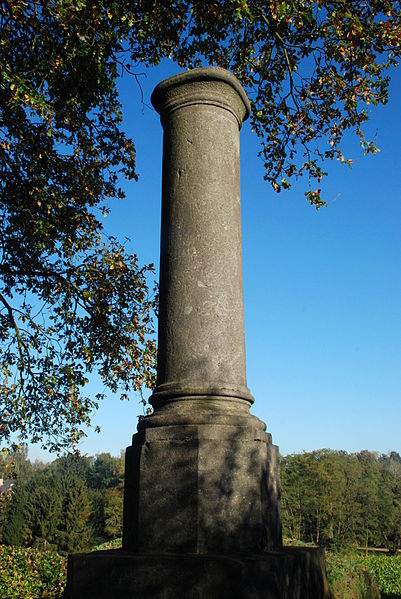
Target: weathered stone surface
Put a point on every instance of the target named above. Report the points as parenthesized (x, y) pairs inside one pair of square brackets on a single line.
[(202, 492), (201, 318), (202, 488), (288, 574), (202, 475)]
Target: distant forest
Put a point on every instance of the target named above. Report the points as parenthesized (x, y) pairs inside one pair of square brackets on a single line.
[(337, 499), (330, 498), (68, 505)]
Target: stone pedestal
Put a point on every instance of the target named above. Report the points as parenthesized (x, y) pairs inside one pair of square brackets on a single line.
[(202, 491), (202, 475), (202, 488), (288, 574)]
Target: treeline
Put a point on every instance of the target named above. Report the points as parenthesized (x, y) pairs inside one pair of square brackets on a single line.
[(328, 497), (69, 505), (339, 499)]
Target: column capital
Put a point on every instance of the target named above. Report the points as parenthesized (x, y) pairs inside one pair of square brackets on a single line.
[(212, 86)]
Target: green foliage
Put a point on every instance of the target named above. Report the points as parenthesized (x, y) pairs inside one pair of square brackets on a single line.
[(57, 511), (113, 514), (31, 574), (15, 464), (348, 580), (353, 576), (96, 521), (106, 472), (390, 510), (57, 507), (74, 533), (36, 574), (105, 480), (5, 500), (114, 544), (339, 499), (15, 528), (369, 492), (43, 510), (387, 571), (74, 302)]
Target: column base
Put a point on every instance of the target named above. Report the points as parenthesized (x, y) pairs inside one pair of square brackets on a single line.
[(199, 488), (288, 574)]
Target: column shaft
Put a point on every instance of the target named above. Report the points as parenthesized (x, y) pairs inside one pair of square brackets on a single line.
[(201, 347)]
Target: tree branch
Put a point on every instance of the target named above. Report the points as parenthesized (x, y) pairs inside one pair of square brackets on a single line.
[(21, 344)]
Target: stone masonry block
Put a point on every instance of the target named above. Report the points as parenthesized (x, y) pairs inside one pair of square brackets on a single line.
[(202, 489)]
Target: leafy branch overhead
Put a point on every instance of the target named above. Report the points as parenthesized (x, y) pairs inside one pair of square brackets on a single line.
[(72, 301), (311, 69)]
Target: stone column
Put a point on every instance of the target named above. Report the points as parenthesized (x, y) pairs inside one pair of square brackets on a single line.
[(201, 496), (202, 473), (201, 320)]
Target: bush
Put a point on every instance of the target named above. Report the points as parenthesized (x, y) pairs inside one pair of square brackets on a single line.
[(387, 571), (354, 576), (114, 544), (348, 580), (31, 573)]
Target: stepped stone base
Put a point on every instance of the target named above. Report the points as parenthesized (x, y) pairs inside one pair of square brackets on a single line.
[(288, 574), (202, 486)]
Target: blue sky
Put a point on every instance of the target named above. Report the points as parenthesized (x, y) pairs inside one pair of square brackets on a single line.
[(322, 289)]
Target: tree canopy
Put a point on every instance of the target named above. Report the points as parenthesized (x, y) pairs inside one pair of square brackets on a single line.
[(330, 498), (339, 499), (73, 301)]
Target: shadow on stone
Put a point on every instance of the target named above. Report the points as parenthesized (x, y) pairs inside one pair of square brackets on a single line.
[(201, 522), (289, 574), (202, 487)]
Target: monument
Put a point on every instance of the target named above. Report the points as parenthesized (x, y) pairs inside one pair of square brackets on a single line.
[(202, 489)]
